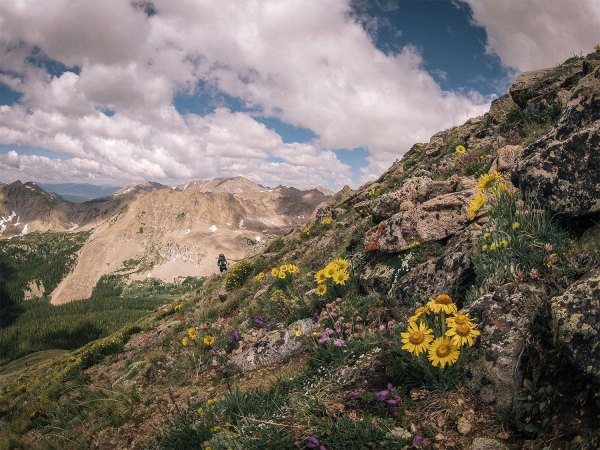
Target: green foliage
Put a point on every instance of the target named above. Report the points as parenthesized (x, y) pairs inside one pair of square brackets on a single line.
[(524, 126), (42, 326), (520, 242), (532, 409), (362, 434), (108, 286), (275, 246), (238, 274), (44, 258)]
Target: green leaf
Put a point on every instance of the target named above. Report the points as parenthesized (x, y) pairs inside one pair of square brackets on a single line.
[(532, 428)]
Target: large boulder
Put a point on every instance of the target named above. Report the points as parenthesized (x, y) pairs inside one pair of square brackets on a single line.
[(575, 323), (563, 168), (276, 346), (413, 191), (438, 218), (505, 318), (544, 84), (449, 273)]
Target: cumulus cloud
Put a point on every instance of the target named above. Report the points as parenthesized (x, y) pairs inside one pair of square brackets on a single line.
[(307, 62), (536, 34)]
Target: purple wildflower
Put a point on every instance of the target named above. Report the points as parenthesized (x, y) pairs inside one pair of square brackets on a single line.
[(382, 395), (234, 336), (259, 321), (339, 342), (418, 441), (270, 326), (355, 394), (312, 442)]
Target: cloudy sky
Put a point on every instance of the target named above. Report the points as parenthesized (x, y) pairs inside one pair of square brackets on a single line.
[(294, 92)]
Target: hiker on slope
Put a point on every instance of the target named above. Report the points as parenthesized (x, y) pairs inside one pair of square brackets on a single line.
[(222, 263)]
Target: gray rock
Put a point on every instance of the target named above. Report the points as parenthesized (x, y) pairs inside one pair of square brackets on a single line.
[(575, 317), (438, 218), (377, 277), (481, 443), (564, 166), (506, 158), (275, 346), (505, 318), (446, 274)]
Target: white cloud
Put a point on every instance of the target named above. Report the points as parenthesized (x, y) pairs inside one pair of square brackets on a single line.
[(535, 34), (306, 62)]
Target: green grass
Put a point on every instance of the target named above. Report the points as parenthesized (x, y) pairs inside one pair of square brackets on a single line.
[(30, 360)]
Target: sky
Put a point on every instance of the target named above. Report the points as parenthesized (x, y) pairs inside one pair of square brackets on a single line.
[(302, 93)]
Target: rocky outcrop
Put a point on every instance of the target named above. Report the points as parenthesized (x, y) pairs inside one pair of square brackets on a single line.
[(575, 317), (275, 346), (438, 218), (506, 158), (450, 273), (413, 191), (505, 318), (563, 168)]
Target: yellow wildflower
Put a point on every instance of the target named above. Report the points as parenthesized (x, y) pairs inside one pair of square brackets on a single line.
[(185, 341), (320, 276), (442, 303), (476, 204), (462, 334), (274, 272), (282, 275), (342, 264), (208, 340), (459, 319), (327, 221), (298, 333), (420, 311), (493, 246), (487, 235), (177, 307), (516, 225), (488, 180), (461, 150), (192, 333), (260, 276), (321, 289), (504, 243), (417, 338), (484, 248), (340, 277), (330, 270), (443, 352)]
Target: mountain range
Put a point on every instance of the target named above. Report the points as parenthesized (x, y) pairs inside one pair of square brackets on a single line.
[(147, 229)]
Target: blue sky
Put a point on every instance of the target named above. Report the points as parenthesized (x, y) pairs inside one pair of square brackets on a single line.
[(287, 92)]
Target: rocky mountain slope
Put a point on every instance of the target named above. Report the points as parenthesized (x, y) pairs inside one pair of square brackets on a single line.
[(486, 238), (150, 230)]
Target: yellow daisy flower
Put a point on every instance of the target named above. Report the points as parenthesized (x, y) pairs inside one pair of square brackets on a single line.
[(488, 180), (459, 319), (443, 352), (185, 341), (192, 333), (327, 221), (516, 225), (208, 340), (476, 204), (330, 270), (298, 333), (417, 338), (340, 277), (321, 289), (420, 311), (341, 264), (461, 150), (274, 272), (442, 303), (463, 334), (282, 275), (320, 276), (260, 276)]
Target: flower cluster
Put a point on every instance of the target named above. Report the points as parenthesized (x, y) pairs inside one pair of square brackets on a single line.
[(439, 331), (284, 271), (338, 326), (191, 336), (327, 221), (336, 271), (489, 184)]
